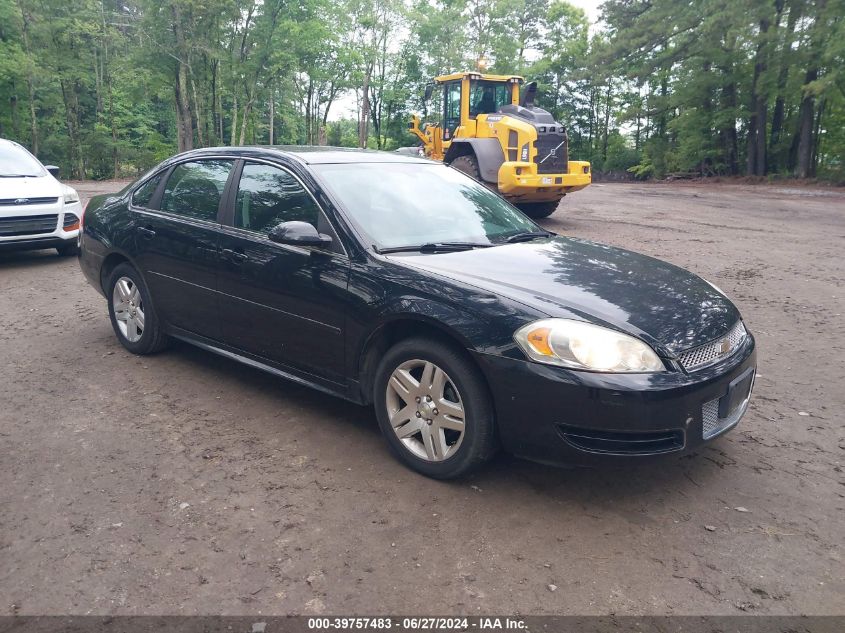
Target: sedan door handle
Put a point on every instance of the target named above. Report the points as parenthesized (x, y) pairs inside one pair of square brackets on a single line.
[(234, 256), (147, 234)]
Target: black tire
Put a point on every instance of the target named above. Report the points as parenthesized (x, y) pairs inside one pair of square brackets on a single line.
[(538, 210), (468, 164), (479, 440), (71, 249), (153, 338)]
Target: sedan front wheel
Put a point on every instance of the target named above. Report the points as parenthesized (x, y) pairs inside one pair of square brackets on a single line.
[(434, 408)]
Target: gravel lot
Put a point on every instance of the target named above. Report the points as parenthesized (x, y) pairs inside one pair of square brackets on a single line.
[(186, 483)]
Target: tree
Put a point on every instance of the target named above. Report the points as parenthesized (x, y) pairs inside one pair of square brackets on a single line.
[(105, 88)]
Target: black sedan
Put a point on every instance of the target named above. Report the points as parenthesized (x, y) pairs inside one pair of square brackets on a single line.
[(394, 281)]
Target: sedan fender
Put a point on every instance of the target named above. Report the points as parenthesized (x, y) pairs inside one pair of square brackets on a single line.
[(417, 315)]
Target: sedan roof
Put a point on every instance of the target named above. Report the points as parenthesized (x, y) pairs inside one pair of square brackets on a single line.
[(315, 155)]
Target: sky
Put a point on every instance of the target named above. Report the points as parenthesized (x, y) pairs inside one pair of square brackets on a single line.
[(346, 106), (591, 8)]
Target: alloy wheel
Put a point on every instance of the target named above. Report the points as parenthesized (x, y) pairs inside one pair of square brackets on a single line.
[(425, 410), (128, 309)]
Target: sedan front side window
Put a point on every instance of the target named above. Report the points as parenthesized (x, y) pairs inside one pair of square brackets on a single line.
[(144, 194), (268, 196)]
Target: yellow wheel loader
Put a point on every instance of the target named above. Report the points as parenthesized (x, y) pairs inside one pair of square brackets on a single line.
[(499, 137)]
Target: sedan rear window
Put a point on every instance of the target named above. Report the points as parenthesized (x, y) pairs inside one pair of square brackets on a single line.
[(194, 189)]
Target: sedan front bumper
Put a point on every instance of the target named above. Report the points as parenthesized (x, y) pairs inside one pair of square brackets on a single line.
[(555, 415)]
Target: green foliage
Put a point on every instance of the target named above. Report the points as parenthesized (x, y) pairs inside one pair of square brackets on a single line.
[(621, 156), (343, 133), (106, 88)]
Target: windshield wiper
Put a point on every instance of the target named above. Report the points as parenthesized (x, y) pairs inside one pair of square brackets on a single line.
[(18, 175), (527, 236), (433, 247)]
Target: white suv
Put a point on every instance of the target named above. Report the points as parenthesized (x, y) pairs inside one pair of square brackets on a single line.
[(36, 210)]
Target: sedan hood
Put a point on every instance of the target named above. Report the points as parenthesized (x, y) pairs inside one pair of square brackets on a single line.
[(663, 304), (39, 187)]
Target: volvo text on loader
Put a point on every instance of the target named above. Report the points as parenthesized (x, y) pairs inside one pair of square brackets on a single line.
[(499, 137)]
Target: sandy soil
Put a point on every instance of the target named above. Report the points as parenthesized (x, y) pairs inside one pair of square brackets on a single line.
[(185, 483)]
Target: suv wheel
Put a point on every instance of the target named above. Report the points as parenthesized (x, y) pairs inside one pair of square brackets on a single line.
[(133, 316), (434, 409), (68, 250)]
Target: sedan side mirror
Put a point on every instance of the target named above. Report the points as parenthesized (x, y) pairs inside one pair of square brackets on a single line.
[(299, 234), (54, 171)]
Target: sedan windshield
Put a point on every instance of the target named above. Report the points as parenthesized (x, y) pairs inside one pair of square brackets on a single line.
[(17, 162), (412, 204)]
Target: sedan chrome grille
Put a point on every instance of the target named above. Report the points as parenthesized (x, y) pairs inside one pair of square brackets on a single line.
[(712, 425), (714, 351), (710, 418)]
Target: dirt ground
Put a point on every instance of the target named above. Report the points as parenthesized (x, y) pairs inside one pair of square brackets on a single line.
[(184, 483)]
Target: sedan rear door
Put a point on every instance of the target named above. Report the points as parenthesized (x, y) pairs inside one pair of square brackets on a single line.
[(177, 242)]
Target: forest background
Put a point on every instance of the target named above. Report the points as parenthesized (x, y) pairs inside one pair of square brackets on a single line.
[(653, 88)]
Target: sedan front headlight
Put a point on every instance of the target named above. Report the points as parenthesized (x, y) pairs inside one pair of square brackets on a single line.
[(70, 195), (581, 345)]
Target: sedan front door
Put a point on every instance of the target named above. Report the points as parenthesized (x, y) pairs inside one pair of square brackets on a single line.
[(283, 303)]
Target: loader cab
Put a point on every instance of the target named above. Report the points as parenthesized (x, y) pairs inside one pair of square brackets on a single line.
[(452, 93), (486, 97), (468, 95)]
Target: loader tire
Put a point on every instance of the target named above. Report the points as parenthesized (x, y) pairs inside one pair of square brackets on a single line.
[(468, 164), (538, 210)]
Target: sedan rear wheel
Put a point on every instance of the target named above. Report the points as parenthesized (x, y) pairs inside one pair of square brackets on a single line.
[(434, 408), (132, 313), (128, 309)]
